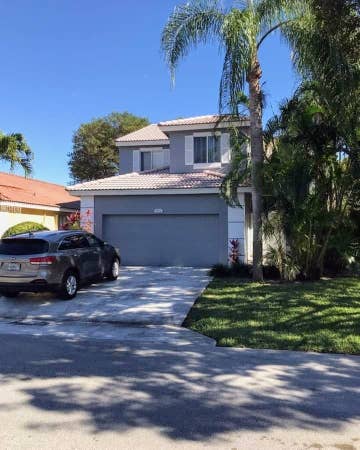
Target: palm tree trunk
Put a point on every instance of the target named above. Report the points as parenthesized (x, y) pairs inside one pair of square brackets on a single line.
[(257, 160)]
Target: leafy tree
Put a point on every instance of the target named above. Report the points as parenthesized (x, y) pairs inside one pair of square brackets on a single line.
[(240, 30), (15, 151), (326, 50), (312, 182), (329, 50), (94, 153)]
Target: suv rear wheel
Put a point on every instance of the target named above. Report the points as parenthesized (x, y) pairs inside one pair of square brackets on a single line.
[(69, 285)]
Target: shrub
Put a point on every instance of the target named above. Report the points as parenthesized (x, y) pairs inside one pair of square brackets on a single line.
[(353, 268), (271, 273), (334, 262), (220, 270), (24, 227), (239, 269), (242, 270), (76, 221), (72, 222)]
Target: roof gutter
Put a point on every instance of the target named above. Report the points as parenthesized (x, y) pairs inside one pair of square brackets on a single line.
[(9, 204), (154, 143), (205, 126), (117, 192)]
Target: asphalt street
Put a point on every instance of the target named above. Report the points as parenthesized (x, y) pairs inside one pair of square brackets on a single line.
[(124, 388)]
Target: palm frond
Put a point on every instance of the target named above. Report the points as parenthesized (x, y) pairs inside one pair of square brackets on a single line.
[(190, 24), (272, 12), (325, 46), (15, 151), (239, 39)]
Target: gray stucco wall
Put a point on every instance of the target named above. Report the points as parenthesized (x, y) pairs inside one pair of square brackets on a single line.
[(170, 205), (177, 150), (126, 160)]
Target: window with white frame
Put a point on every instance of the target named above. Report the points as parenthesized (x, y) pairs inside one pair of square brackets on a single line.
[(151, 160), (207, 149)]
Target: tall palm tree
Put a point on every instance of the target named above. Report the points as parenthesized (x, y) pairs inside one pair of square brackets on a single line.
[(15, 151), (240, 30)]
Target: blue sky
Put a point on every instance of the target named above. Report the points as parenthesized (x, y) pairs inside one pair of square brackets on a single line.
[(64, 62)]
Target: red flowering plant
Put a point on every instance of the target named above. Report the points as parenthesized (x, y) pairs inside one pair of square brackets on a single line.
[(234, 253), (76, 221)]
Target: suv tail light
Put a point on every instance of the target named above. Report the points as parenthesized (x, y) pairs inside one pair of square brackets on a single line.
[(43, 260)]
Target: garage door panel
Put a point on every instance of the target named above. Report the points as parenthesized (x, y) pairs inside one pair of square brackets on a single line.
[(184, 240)]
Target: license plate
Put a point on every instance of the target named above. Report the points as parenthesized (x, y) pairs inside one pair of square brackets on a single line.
[(12, 267)]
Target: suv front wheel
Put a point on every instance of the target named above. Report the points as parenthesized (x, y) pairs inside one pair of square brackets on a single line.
[(114, 270), (69, 285)]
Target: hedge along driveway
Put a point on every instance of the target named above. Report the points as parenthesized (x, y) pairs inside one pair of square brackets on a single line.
[(321, 316)]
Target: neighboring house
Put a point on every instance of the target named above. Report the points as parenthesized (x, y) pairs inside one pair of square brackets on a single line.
[(164, 208), (24, 199)]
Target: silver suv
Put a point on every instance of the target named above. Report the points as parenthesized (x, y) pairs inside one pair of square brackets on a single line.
[(54, 261)]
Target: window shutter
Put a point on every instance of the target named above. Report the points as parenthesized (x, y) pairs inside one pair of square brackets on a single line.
[(136, 161), (189, 150), (157, 159), (225, 148)]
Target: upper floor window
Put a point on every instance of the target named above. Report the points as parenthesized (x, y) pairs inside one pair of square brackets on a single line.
[(207, 149), (151, 160)]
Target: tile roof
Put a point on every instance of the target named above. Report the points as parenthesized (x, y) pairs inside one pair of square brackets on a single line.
[(155, 179), (14, 188), (154, 133), (149, 133), (210, 118)]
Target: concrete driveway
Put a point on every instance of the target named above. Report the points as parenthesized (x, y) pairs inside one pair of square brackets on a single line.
[(142, 295)]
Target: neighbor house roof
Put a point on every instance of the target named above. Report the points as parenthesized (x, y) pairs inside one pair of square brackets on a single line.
[(149, 133), (155, 179), (14, 188)]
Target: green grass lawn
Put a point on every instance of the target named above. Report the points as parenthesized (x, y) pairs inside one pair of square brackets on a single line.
[(321, 316)]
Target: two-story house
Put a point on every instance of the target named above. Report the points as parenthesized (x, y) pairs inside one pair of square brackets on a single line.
[(164, 207)]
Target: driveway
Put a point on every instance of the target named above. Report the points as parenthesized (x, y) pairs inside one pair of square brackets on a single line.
[(141, 295)]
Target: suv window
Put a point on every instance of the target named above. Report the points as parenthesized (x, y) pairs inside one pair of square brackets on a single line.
[(23, 246), (94, 241), (74, 242)]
